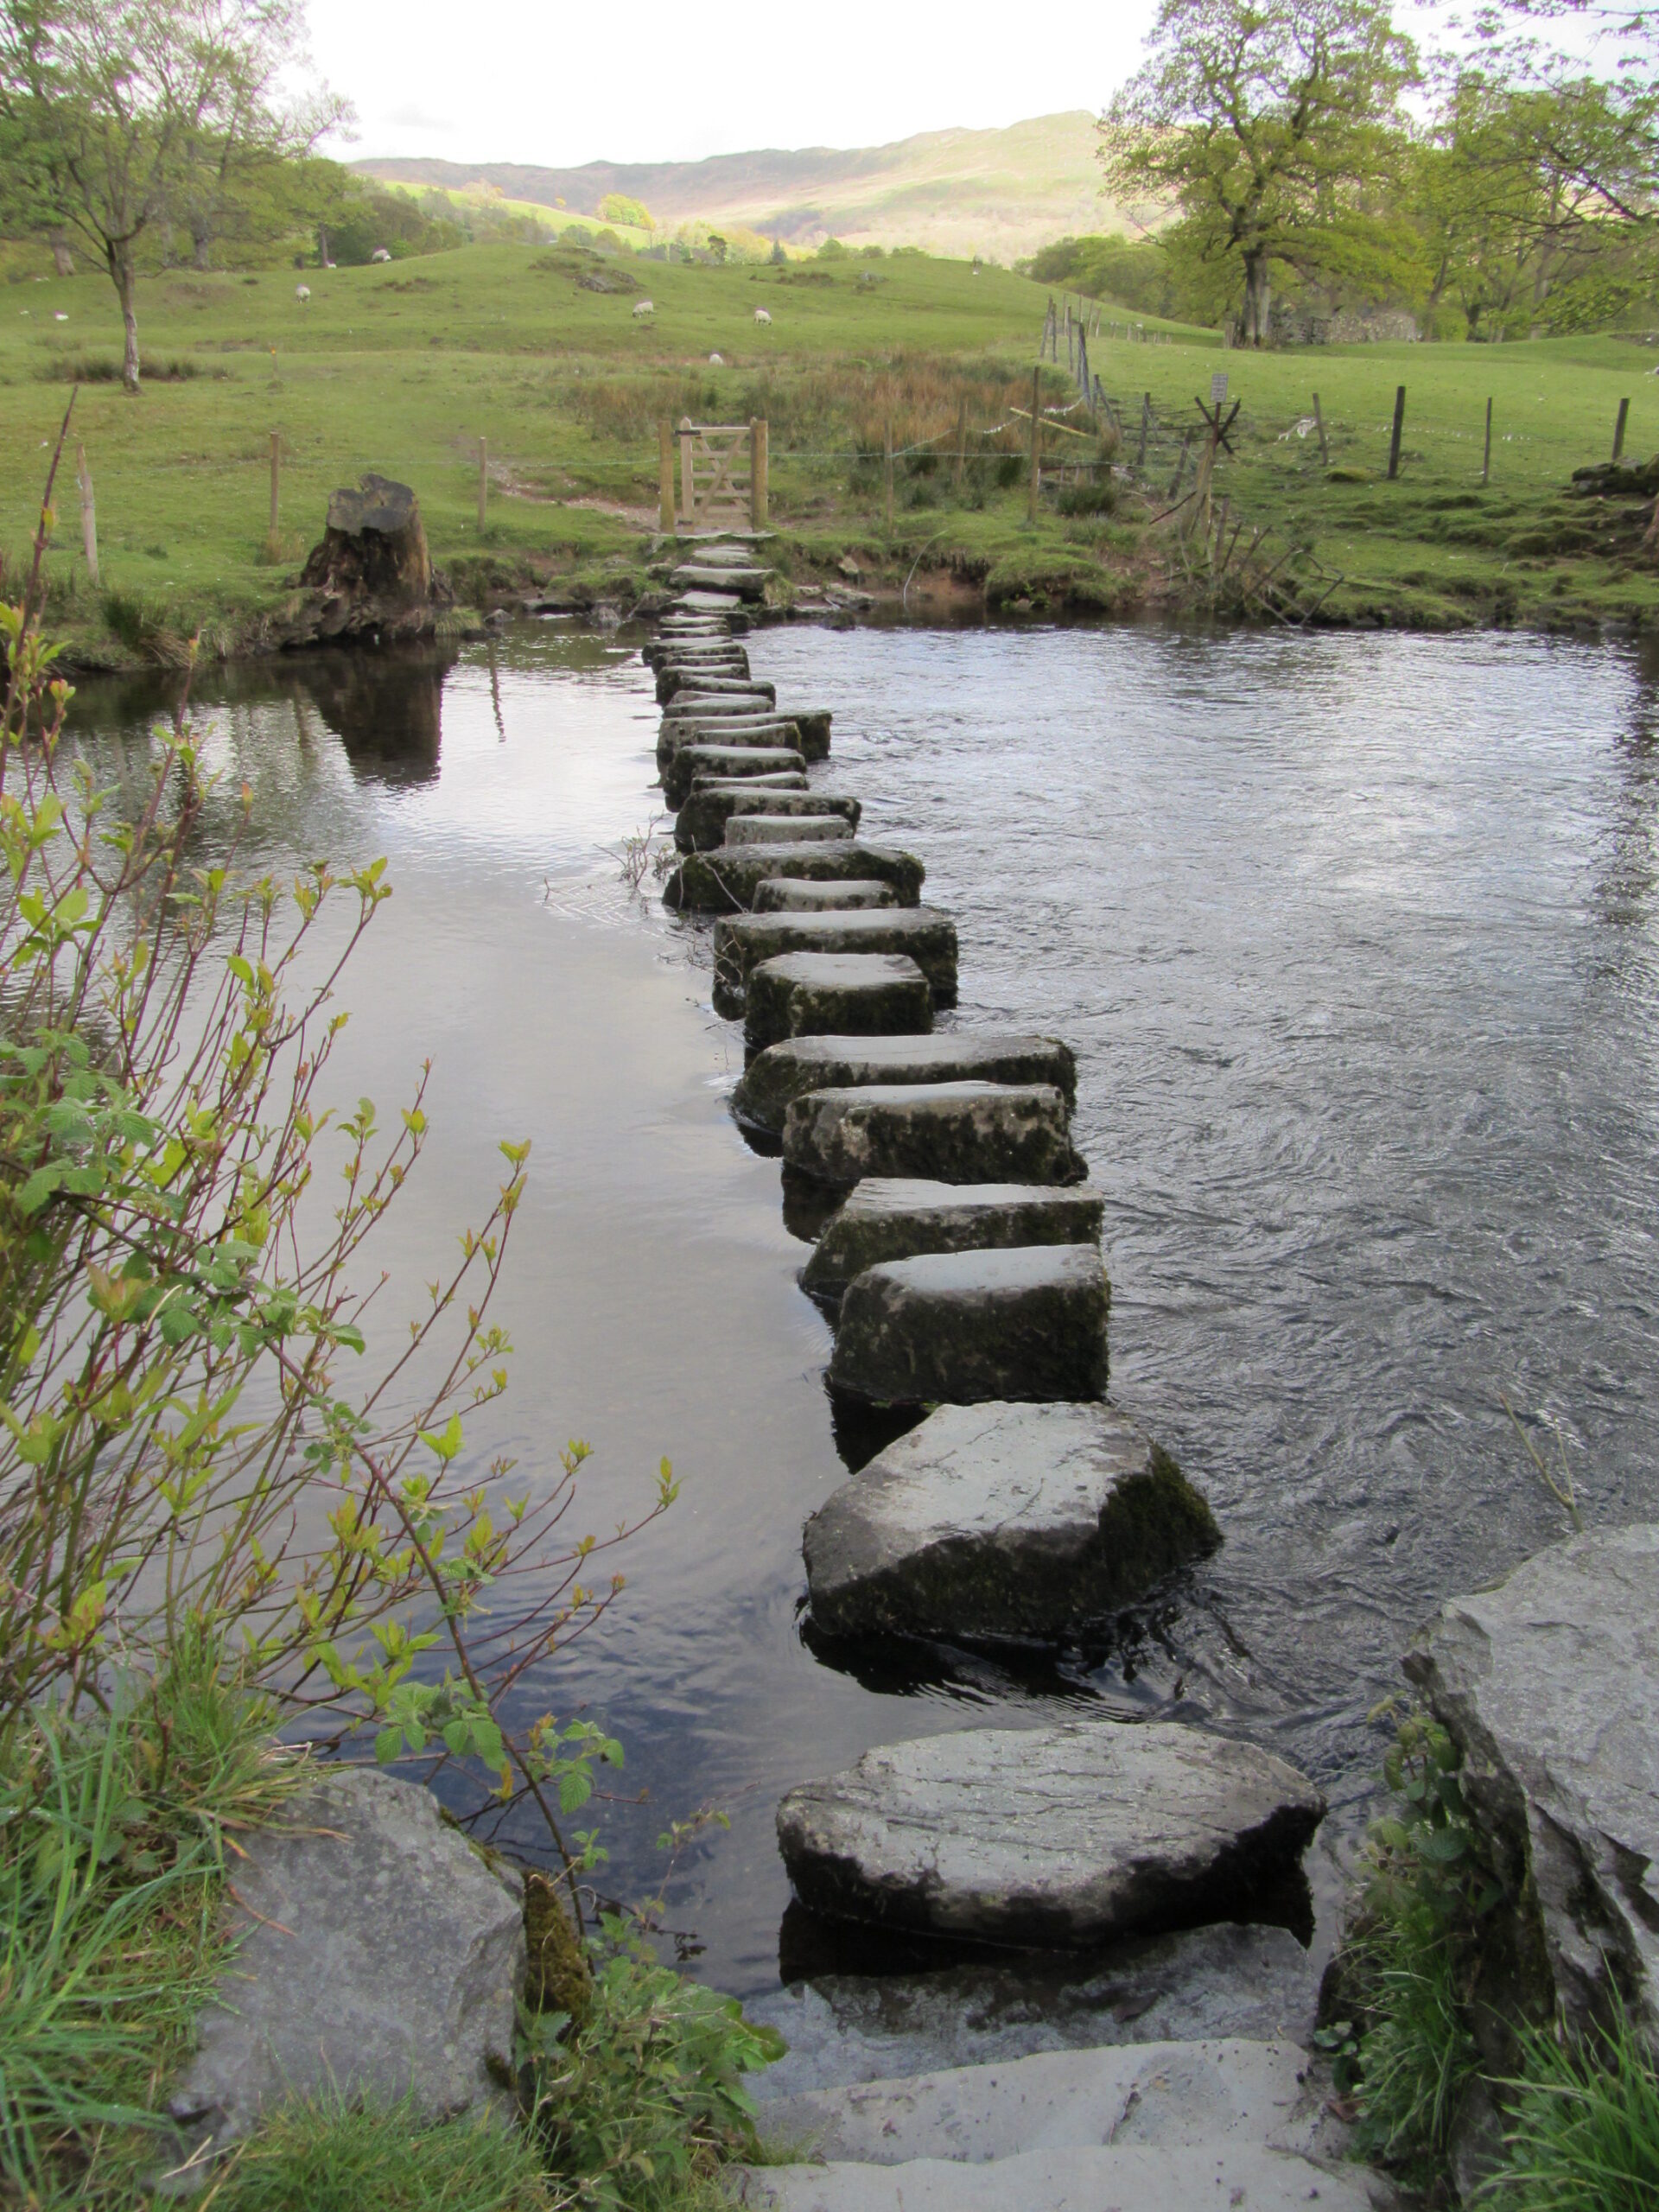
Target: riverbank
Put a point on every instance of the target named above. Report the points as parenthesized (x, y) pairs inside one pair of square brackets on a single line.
[(404, 368)]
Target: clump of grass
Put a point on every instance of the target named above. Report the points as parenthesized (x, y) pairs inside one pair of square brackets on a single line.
[(143, 627), (1584, 2128), (106, 368), (327, 2155)]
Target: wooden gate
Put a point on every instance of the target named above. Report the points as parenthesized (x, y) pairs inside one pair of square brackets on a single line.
[(723, 476)]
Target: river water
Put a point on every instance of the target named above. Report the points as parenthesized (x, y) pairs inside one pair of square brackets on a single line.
[(1355, 939)]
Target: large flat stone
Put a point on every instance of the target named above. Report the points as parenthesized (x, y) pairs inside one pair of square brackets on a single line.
[(1549, 1686), (1057, 1837), (930, 937), (871, 994), (379, 1958), (943, 1132), (747, 581), (725, 763), (719, 655), (1000, 1520), (701, 826), (1109, 2177), (685, 725), (724, 882), (896, 1216), (676, 677), (965, 1326), (698, 601), (782, 895), (787, 1071), (787, 828)]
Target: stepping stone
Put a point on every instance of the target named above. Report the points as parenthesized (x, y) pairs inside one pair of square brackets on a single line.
[(785, 1073), (694, 576), (714, 656), (778, 895), (710, 603), (895, 1218), (725, 761), (675, 678), (692, 704), (775, 729), (928, 936), (1060, 1838), (1105, 2178), (723, 882), (944, 1132), (702, 819), (1003, 1520), (866, 993), (683, 724), (1028, 1322), (787, 828)]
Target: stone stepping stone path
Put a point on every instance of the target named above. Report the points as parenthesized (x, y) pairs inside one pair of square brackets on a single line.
[(828, 993), (1003, 1520), (964, 1269), (1026, 1322), (895, 1218)]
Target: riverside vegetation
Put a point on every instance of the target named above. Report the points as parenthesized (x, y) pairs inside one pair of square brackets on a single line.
[(403, 367), (229, 1529)]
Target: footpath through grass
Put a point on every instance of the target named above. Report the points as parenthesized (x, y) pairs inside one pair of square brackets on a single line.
[(404, 368)]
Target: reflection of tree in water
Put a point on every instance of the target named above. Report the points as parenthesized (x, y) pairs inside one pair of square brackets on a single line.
[(386, 707), (1625, 881)]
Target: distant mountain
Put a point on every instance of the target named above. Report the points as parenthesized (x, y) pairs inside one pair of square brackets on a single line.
[(999, 193)]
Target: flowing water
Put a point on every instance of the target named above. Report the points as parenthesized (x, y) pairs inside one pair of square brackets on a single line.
[(1355, 940)]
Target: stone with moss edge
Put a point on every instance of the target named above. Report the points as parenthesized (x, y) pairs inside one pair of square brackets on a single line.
[(788, 1072), (798, 993), (896, 1217), (724, 882), (726, 763), (928, 936), (787, 828), (779, 895), (701, 823), (946, 1132)]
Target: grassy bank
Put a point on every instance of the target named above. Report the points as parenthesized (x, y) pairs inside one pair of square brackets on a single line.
[(404, 368)]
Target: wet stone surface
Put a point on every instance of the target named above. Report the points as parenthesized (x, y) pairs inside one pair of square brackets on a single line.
[(928, 936), (796, 994), (700, 824), (944, 1132), (893, 1217), (725, 763), (779, 894), (763, 1096), (787, 828), (724, 881)]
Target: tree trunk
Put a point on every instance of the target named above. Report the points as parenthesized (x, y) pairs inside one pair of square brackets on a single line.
[(124, 278), (201, 245), (1253, 320), (62, 260)]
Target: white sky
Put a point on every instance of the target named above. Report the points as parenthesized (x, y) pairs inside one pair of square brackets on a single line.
[(525, 80)]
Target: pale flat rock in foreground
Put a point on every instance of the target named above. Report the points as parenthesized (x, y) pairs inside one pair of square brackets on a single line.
[(1057, 1837), (1549, 1686), (1003, 1520)]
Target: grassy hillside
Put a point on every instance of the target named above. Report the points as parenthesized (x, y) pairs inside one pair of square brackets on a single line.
[(996, 192), (403, 368)]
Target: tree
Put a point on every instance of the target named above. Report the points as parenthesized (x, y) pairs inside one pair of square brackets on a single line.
[(621, 207), (122, 116), (1272, 128)]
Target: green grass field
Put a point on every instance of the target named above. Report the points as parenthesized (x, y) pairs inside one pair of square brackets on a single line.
[(404, 368)]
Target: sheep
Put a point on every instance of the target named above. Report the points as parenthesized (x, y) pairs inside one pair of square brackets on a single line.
[(301, 293), (380, 254), (716, 360), (644, 307), (762, 316)]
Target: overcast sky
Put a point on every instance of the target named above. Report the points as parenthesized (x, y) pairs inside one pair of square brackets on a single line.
[(524, 81)]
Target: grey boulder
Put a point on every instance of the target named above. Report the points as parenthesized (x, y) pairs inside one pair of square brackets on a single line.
[(1057, 1837), (1548, 1684), (1027, 1323), (943, 1132), (799, 992), (788, 1072), (379, 1957), (896, 1216)]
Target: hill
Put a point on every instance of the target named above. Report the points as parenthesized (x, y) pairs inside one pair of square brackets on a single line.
[(996, 192)]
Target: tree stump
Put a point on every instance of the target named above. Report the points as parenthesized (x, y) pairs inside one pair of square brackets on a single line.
[(371, 567)]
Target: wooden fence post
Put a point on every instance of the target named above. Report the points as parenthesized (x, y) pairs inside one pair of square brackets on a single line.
[(1618, 428), (1399, 425), (758, 471), (88, 513), (962, 438), (688, 484), (1145, 425), (1036, 438), (1319, 424), (1486, 458), (483, 484), (665, 477), (276, 482), (887, 470)]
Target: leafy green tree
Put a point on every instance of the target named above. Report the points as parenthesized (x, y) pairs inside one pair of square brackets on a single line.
[(1274, 126), (120, 116), (619, 207)]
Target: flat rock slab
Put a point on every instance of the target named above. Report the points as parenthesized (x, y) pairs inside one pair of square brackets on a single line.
[(788, 1072), (1028, 1323), (694, 702), (380, 1958), (702, 823), (874, 994), (1549, 1687), (1108, 2178), (941, 1132), (1060, 1838), (724, 882), (787, 828), (725, 763), (718, 655), (741, 941), (896, 1216), (1000, 1520), (1165, 2095), (779, 894), (747, 582), (689, 725), (676, 677), (698, 601)]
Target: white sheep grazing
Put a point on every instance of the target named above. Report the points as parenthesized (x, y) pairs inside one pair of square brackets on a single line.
[(379, 254), (716, 360), (644, 307), (761, 316), (302, 292)]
